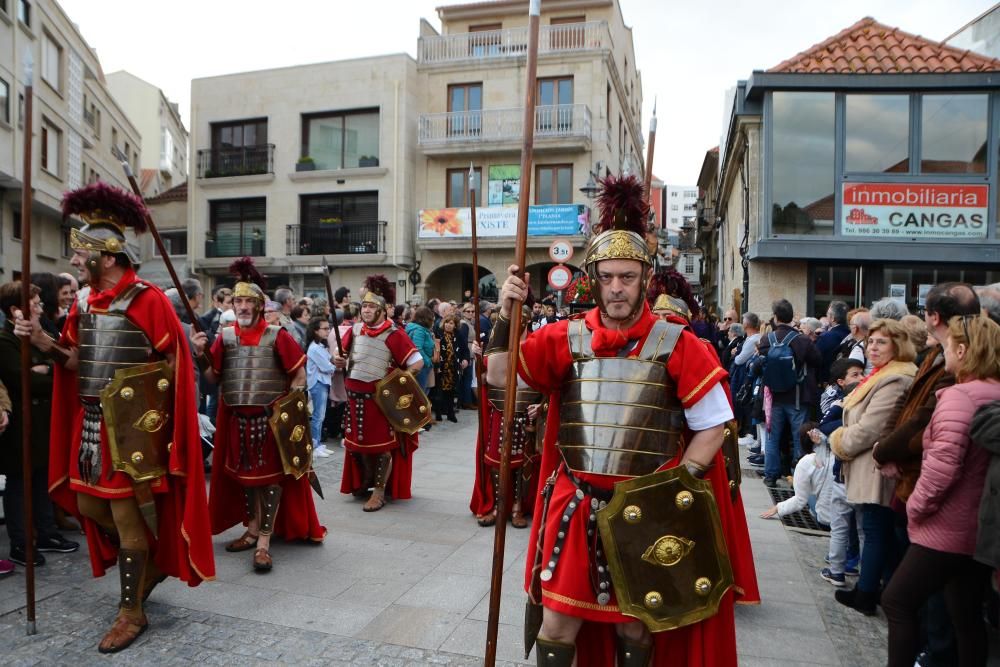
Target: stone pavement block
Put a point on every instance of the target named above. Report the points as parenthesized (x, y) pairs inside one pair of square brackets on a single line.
[(445, 530), (470, 638), (448, 591), (374, 592), (303, 576), (384, 565), (792, 647), (338, 617), (512, 599), (784, 616), (411, 626)]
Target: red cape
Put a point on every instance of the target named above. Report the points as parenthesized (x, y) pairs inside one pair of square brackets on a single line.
[(182, 547)]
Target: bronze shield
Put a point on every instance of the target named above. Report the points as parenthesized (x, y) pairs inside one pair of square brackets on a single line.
[(402, 401), (290, 424), (666, 552), (137, 406)]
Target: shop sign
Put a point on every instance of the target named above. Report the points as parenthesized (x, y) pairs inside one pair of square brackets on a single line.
[(494, 221), (908, 210), (504, 185)]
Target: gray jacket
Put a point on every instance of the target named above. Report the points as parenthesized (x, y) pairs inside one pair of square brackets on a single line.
[(985, 432)]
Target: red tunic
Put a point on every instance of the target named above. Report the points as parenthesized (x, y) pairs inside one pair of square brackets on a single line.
[(296, 518), (376, 435), (182, 546), (545, 363)]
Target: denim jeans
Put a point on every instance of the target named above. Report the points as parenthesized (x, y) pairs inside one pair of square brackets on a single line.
[(880, 552), (841, 518), (423, 376), (782, 413), (320, 394)]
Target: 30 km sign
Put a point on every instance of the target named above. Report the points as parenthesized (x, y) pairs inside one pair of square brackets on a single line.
[(561, 251), (560, 277)]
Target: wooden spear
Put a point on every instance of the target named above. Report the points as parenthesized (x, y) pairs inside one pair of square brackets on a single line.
[(520, 256), (649, 155), (477, 365), (25, 417)]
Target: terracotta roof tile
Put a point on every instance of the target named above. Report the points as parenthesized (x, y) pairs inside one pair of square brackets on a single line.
[(176, 193), (869, 47)]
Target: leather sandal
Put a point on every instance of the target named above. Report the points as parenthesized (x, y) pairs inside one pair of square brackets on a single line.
[(379, 504), (262, 560), (487, 520), (122, 634), (518, 521), (244, 543)]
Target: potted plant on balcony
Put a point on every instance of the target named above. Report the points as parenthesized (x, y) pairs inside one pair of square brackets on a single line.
[(368, 161), (305, 163)]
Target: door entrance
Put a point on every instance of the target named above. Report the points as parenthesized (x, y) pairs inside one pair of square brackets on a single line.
[(855, 284)]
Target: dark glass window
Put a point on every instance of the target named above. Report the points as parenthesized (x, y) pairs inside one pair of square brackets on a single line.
[(458, 187), (878, 133), (341, 140), (953, 134), (4, 101), (239, 134), (554, 184), (339, 224), (802, 163), (465, 104), (238, 226)]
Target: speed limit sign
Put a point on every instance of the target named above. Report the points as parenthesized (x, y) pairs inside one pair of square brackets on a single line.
[(561, 251), (560, 277)]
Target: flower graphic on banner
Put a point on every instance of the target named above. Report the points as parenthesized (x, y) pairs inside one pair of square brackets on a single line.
[(441, 221)]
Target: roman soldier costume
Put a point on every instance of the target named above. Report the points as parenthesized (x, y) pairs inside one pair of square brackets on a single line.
[(625, 531), (128, 456), (380, 428), (262, 458), (524, 455)]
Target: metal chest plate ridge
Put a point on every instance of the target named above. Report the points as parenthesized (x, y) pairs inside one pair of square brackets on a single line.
[(404, 404), (665, 548), (109, 341), (251, 375), (289, 423)]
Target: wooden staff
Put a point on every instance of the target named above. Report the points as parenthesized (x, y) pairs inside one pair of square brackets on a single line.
[(477, 366), (29, 508), (333, 309), (513, 350), (130, 175)]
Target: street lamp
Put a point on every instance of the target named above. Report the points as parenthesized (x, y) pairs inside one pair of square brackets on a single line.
[(590, 189)]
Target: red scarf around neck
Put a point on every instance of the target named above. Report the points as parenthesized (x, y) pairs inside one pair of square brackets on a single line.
[(606, 342)]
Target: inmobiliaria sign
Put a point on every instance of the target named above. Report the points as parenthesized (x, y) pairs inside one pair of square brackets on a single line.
[(903, 210)]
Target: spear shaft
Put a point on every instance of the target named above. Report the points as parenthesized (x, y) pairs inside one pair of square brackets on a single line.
[(513, 350), (477, 364), (26, 469)]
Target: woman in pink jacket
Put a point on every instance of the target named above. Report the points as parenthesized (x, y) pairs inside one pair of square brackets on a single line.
[(943, 510)]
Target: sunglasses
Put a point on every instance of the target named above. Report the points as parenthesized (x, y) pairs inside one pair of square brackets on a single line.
[(727, 319)]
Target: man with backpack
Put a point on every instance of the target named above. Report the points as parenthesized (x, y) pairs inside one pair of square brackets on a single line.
[(790, 362)]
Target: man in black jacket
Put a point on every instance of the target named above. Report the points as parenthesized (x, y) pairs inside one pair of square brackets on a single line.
[(792, 406), (222, 300), (829, 342)]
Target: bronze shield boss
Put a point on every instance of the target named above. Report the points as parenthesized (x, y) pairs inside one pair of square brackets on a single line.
[(137, 406), (404, 404), (290, 424)]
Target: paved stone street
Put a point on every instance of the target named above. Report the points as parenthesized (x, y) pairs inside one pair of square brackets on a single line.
[(405, 586)]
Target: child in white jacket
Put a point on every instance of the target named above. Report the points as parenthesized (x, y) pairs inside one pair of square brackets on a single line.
[(812, 479)]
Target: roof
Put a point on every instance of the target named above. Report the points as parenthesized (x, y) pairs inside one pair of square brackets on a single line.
[(870, 47), (176, 193)]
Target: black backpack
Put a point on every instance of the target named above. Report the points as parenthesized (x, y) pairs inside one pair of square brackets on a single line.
[(781, 371)]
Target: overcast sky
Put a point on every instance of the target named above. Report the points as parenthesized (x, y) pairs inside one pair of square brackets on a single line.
[(689, 51)]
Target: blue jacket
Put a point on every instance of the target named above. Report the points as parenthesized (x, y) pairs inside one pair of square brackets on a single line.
[(828, 344), (423, 340)]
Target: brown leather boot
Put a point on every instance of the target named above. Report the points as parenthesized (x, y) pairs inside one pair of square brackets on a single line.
[(131, 621)]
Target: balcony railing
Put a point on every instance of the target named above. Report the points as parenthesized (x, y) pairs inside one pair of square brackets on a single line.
[(343, 238), (90, 118), (237, 243), (242, 161), (513, 42), (561, 120)]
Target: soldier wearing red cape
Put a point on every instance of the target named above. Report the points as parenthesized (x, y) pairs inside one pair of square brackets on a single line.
[(139, 487), (256, 364), (379, 457), (594, 440)]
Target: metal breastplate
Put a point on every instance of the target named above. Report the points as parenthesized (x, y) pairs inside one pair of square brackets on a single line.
[(523, 397), (109, 341), (370, 356), (251, 375), (618, 415)]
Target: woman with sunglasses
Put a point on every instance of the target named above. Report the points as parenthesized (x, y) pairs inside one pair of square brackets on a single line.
[(943, 510)]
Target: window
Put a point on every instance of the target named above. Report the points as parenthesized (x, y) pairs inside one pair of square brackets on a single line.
[(20, 110), (555, 97), (114, 139), (484, 40), (554, 184), (673, 193), (465, 105), (341, 140), (953, 134), (803, 146), (237, 226), (339, 224), (239, 134), (175, 243), (64, 245), (458, 187), (691, 194), (673, 207), (878, 133), (15, 227), (166, 145), (4, 101), (51, 61), (689, 264), (24, 12), (570, 35), (51, 140), (3, 6)]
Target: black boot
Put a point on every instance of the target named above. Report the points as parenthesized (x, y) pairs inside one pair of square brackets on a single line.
[(553, 654), (858, 600)]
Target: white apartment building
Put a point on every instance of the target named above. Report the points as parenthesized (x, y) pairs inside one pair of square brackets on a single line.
[(298, 165), (586, 124), (163, 135), (681, 206), (75, 123)]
